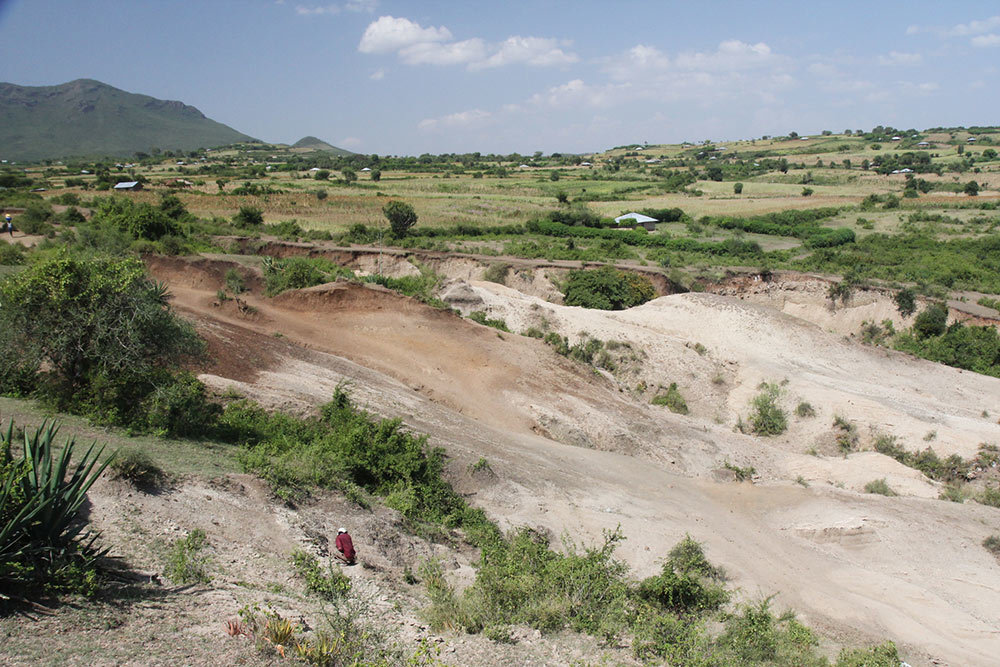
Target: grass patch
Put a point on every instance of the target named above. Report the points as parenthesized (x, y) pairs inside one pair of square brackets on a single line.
[(805, 409), (328, 584), (879, 486), (742, 474), (847, 434), (184, 562), (480, 317), (672, 399), (137, 468)]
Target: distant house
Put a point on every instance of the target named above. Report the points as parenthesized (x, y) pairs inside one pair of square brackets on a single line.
[(923, 144), (637, 220), (654, 160), (523, 166), (972, 140), (366, 169), (315, 169), (128, 185), (897, 138), (586, 164)]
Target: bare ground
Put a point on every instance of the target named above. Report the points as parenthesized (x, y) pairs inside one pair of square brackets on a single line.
[(577, 451)]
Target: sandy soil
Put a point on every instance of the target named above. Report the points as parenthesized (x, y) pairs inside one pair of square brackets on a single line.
[(578, 451)]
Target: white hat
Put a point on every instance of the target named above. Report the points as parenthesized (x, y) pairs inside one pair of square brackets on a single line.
[(341, 530)]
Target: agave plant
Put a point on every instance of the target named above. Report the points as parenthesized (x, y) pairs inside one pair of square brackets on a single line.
[(40, 502)]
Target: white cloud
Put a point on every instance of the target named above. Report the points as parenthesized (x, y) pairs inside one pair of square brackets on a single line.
[(316, 10), (377, 75), (576, 93), (331, 9), (472, 117), (900, 58), (974, 27), (730, 55), (451, 53), (388, 34), (361, 5), (537, 51), (638, 61), (986, 40), (417, 45)]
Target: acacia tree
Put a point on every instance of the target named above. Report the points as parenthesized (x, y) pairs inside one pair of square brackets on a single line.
[(401, 217)]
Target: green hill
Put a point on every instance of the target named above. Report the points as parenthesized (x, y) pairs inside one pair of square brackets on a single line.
[(317, 144), (87, 118)]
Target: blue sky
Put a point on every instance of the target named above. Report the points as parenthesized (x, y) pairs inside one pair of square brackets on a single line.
[(398, 77)]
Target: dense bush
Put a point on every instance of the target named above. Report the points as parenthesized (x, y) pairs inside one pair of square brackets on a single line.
[(93, 335), (932, 321), (345, 448), (607, 288), (248, 217), (138, 219), (180, 408), (974, 348)]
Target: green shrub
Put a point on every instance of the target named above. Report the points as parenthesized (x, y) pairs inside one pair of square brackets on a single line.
[(606, 288), (181, 408), (497, 273), (184, 562), (906, 301), (742, 474), (805, 409), (234, 281), (932, 321), (883, 655), (672, 399), (879, 486), (766, 416), (299, 273), (248, 217), (328, 585), (480, 317), (11, 254), (137, 468), (847, 438), (687, 584), (992, 544), (98, 334), (290, 229), (990, 496), (140, 220)]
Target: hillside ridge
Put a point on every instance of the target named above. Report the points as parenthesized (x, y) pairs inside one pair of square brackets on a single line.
[(86, 117)]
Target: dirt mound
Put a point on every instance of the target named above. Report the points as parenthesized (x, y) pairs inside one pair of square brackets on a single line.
[(346, 296), (201, 273)]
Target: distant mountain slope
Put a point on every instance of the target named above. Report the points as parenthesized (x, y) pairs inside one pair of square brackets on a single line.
[(90, 118), (317, 144)]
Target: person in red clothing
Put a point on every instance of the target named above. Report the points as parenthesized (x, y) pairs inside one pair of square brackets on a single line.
[(345, 545)]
